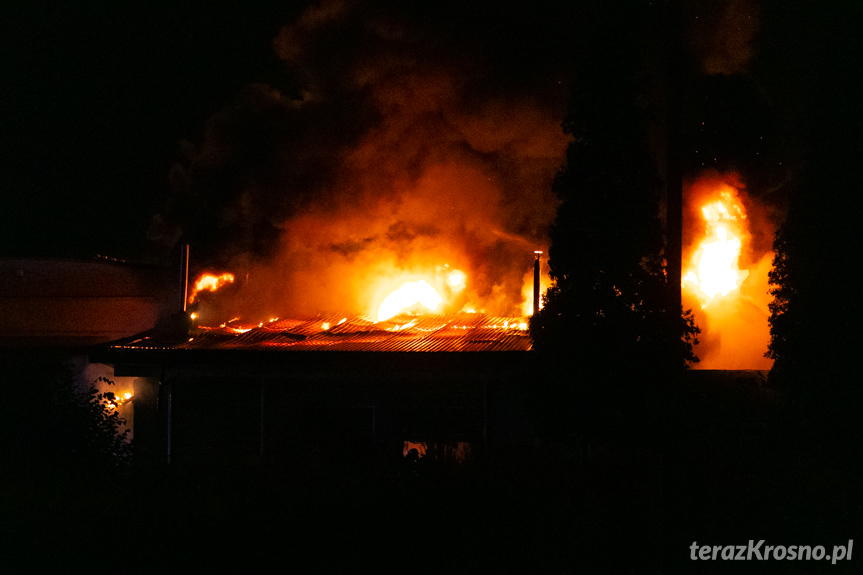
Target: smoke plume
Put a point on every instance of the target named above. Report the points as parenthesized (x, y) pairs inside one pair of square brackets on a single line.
[(724, 34), (410, 142)]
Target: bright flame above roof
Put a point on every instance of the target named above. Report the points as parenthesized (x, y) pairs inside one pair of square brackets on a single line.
[(408, 295), (456, 280), (210, 282), (458, 332)]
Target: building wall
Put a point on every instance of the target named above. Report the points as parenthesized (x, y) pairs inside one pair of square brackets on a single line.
[(338, 408), (74, 302)]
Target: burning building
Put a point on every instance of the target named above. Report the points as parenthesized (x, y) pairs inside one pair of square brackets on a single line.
[(283, 390), (404, 169), (403, 375), (403, 172)]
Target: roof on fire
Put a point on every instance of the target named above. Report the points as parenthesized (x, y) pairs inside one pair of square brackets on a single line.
[(461, 332)]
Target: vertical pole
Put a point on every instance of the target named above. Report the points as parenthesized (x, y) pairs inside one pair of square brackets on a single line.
[(536, 282)]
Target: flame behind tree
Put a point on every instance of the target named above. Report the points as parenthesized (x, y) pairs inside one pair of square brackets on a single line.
[(713, 271), (725, 281), (608, 306)]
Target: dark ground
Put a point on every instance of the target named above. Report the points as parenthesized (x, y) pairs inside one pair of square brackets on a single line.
[(631, 487)]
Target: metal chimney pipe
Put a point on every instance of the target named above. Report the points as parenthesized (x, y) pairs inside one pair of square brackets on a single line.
[(536, 282)]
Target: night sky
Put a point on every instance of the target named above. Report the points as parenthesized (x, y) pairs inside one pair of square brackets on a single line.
[(96, 103), (101, 107)]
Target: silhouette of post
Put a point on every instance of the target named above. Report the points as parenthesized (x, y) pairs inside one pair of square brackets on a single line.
[(536, 282)]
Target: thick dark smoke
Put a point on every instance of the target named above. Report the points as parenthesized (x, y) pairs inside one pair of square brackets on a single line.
[(723, 34), (406, 141)]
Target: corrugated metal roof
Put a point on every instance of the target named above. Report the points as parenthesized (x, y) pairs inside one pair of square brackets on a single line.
[(461, 332)]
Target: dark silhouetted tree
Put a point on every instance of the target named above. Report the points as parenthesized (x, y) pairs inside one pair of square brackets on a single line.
[(816, 312), (784, 279), (59, 428), (812, 323), (66, 463), (608, 304)]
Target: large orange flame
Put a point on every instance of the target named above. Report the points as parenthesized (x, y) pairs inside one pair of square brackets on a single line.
[(714, 267), (439, 289), (724, 278), (210, 282), (456, 280), (407, 296)]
